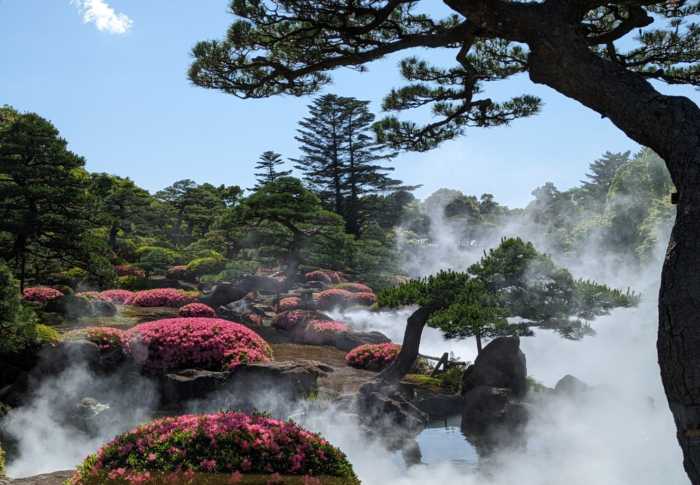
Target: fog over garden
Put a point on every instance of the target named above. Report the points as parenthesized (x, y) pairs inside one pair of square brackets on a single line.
[(328, 320)]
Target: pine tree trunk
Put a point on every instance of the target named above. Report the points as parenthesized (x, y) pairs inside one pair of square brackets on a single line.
[(478, 343), (409, 349), (113, 231), (22, 267)]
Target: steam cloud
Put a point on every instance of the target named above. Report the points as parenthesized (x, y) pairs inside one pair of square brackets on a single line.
[(103, 16)]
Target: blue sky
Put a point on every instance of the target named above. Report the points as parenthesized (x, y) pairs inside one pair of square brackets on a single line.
[(111, 76)]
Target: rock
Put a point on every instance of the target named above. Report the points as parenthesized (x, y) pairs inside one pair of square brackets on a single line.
[(224, 294), (89, 407), (436, 405), (188, 384), (500, 364), (349, 340), (55, 478), (387, 408), (490, 410), (205, 286), (569, 385), (315, 285), (71, 306), (297, 376), (56, 359), (228, 314), (104, 308)]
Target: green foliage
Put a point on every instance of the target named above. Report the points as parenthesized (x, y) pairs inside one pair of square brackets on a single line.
[(234, 271), (268, 162), (17, 323), (2, 462), (157, 260), (71, 306), (133, 283), (46, 335), (202, 266)]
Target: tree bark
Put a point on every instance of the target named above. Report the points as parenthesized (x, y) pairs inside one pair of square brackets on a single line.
[(112, 243), (409, 349)]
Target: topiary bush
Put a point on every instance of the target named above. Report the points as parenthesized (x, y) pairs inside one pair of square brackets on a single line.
[(319, 332), (210, 343), (180, 449), (197, 310), (363, 299), (168, 297), (41, 294), (252, 318), (200, 267), (373, 357), (318, 276), (289, 304), (176, 272), (129, 270), (47, 335), (133, 283), (296, 318), (332, 299), (354, 287), (118, 297), (106, 337)]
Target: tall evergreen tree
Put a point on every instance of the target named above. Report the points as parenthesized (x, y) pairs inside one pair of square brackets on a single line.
[(593, 192), (268, 161)]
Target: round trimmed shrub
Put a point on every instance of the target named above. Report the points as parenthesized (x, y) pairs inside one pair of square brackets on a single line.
[(47, 335), (133, 283), (252, 318), (289, 304), (210, 343), (200, 267), (176, 272), (41, 294), (354, 287), (71, 306), (128, 270), (331, 299), (363, 299), (373, 357), (181, 448), (90, 295), (168, 297), (106, 337), (118, 297), (318, 276), (197, 310), (319, 332), (65, 289), (296, 318)]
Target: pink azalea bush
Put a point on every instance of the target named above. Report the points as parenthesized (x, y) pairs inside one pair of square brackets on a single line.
[(209, 343), (373, 357), (169, 297), (289, 304), (319, 332), (197, 310), (118, 297), (41, 294), (330, 299), (296, 318), (318, 276), (354, 287), (128, 270), (106, 337), (176, 450), (176, 272), (363, 299), (90, 295), (252, 318)]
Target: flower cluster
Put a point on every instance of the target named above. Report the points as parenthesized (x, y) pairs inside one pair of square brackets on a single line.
[(118, 297), (289, 304), (252, 318), (354, 287), (106, 337), (128, 270), (330, 299), (169, 297), (318, 276), (176, 272), (296, 318), (233, 443), (90, 295), (197, 310), (210, 343), (41, 294), (373, 357), (363, 299), (319, 332)]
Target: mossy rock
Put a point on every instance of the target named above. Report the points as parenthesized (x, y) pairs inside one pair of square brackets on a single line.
[(71, 306)]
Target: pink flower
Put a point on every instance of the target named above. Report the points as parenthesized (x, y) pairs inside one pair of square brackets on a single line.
[(307, 480), (151, 457), (289, 304), (41, 294), (245, 465), (235, 478), (318, 276), (168, 297), (208, 464), (354, 288), (331, 299), (374, 357), (197, 310), (319, 332)]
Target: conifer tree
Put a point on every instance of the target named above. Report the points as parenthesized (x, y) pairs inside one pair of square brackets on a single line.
[(268, 162), (594, 190)]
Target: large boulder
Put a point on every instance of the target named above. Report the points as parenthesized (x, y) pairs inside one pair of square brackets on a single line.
[(437, 405), (570, 386), (188, 384), (72, 307), (224, 294), (347, 341), (388, 410), (105, 308), (490, 411), (298, 376), (500, 364)]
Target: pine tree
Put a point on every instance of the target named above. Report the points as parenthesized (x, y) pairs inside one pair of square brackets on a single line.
[(593, 192), (267, 163)]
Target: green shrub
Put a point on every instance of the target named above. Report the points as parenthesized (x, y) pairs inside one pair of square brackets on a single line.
[(204, 266), (2, 462), (65, 289), (71, 306), (46, 335), (133, 283)]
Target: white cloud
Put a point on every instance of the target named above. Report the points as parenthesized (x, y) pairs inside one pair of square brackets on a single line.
[(104, 17)]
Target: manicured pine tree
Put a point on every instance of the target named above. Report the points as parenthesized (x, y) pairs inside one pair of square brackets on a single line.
[(268, 162), (602, 172)]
